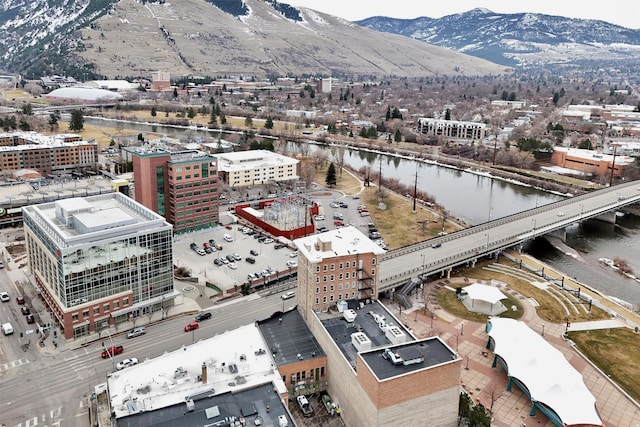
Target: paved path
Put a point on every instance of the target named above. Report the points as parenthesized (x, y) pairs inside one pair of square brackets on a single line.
[(487, 385)]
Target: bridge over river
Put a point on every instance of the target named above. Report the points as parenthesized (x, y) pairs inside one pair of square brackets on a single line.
[(413, 263)]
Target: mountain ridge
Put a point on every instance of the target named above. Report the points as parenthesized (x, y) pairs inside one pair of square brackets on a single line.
[(519, 39), (129, 38)]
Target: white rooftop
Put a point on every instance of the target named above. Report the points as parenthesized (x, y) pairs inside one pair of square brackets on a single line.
[(344, 241), (252, 159), (234, 361)]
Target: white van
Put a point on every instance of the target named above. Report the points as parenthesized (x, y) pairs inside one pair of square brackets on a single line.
[(7, 329)]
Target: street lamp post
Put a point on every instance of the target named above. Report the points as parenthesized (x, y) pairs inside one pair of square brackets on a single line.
[(543, 329), (113, 361)]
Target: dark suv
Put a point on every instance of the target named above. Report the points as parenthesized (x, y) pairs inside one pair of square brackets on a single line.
[(203, 316), (253, 252)]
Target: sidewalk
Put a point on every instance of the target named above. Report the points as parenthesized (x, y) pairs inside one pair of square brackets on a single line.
[(487, 385)]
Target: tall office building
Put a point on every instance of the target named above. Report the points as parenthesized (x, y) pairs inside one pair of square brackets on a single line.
[(181, 186), (99, 260)]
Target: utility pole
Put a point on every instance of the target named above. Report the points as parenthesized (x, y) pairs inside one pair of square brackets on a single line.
[(380, 177), (613, 165), (415, 188)]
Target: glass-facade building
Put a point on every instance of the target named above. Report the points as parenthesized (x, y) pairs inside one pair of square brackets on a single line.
[(100, 260)]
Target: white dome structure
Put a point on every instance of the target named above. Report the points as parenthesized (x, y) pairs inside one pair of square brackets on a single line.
[(84, 94)]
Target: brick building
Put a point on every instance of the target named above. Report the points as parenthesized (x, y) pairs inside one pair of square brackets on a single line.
[(181, 186)]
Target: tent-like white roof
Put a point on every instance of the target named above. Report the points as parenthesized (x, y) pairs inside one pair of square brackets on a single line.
[(490, 294), (84, 94), (548, 376)]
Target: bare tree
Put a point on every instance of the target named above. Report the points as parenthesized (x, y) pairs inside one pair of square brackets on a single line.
[(338, 156), (319, 159)]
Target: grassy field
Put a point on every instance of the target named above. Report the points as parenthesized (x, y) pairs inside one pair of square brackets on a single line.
[(616, 352)]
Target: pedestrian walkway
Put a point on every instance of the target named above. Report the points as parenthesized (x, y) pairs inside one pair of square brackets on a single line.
[(487, 385)]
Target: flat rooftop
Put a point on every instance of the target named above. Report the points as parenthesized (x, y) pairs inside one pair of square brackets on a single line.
[(367, 321), (81, 220), (241, 381), (343, 241), (289, 339), (414, 356)]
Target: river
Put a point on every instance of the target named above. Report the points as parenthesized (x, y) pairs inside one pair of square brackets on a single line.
[(475, 198)]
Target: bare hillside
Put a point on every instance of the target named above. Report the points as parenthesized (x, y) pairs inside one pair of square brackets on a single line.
[(195, 37)]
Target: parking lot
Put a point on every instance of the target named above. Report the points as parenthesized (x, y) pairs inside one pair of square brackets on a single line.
[(272, 260)]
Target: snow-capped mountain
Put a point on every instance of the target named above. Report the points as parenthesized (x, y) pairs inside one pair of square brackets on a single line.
[(520, 39), (129, 38)]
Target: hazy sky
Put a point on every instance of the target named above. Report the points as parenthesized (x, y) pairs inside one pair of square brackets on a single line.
[(620, 12)]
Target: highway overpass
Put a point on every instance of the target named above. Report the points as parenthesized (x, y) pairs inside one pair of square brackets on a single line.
[(436, 257)]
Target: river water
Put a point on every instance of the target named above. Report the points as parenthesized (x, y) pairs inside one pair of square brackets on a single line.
[(475, 198)]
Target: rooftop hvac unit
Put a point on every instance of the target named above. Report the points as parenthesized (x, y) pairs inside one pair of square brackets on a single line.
[(360, 341), (190, 405), (395, 335), (349, 315)]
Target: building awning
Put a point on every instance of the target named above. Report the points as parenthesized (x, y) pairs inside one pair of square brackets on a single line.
[(145, 303)]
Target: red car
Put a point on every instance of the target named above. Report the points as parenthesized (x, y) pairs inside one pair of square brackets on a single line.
[(116, 349), (191, 326), (20, 299), (338, 223)]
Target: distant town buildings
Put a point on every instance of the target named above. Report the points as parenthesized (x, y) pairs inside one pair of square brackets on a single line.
[(58, 154), (589, 161), (452, 128), (256, 167), (181, 186), (99, 260)]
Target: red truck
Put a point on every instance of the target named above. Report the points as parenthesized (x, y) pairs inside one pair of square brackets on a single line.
[(116, 349)]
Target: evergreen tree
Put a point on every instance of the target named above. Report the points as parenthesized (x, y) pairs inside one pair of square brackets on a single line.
[(396, 114), (248, 122), (53, 122), (398, 136), (76, 123), (175, 92), (447, 114), (372, 133), (268, 123), (154, 112), (27, 109), (331, 179), (387, 116), (191, 113), (24, 124), (223, 119)]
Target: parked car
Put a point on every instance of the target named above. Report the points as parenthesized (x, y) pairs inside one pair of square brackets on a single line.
[(217, 261), (114, 350), (268, 240), (338, 223), (279, 246), (292, 263), (236, 257), (218, 246), (230, 258), (253, 252), (30, 319), (305, 406), (293, 254), (212, 242), (25, 310), (257, 236), (288, 295), (4, 297), (126, 363), (20, 299), (136, 332), (203, 316), (436, 245), (250, 260), (337, 215), (343, 205), (201, 252), (191, 326), (224, 261), (319, 217), (322, 229), (233, 266), (193, 246), (228, 238), (207, 247)]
